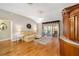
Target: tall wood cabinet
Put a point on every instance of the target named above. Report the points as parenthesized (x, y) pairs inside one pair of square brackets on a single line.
[(69, 45), (71, 22)]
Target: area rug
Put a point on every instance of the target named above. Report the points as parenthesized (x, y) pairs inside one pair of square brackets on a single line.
[(44, 40)]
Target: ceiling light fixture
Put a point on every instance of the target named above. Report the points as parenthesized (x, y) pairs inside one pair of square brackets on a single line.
[(40, 20)]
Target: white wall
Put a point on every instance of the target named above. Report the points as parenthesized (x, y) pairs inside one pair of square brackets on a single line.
[(17, 20), (22, 21), (39, 26)]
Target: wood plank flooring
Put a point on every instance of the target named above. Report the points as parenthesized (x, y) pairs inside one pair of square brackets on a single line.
[(8, 48)]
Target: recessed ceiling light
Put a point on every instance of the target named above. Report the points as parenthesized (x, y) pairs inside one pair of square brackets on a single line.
[(30, 4), (40, 12)]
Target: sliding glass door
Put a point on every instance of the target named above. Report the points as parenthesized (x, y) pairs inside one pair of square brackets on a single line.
[(50, 29)]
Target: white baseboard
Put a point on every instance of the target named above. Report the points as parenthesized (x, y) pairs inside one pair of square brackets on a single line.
[(5, 39), (12, 39), (15, 39)]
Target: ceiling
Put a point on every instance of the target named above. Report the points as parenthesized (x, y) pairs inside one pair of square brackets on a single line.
[(37, 11)]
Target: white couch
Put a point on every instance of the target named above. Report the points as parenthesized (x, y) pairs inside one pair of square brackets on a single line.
[(29, 36)]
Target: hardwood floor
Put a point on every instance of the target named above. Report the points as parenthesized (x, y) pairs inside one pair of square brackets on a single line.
[(8, 48)]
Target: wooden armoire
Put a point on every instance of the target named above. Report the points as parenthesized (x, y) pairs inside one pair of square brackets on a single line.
[(69, 42)]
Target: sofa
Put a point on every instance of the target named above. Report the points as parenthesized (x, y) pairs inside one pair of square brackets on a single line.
[(28, 36)]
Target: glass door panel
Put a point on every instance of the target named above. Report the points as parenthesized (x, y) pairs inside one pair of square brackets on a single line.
[(55, 30), (47, 30)]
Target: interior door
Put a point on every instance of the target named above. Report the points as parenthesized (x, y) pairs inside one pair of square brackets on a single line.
[(5, 36)]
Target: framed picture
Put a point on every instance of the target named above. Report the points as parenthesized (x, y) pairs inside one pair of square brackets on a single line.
[(3, 26)]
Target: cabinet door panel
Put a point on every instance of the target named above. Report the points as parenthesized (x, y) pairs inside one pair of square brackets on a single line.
[(72, 26), (78, 29)]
